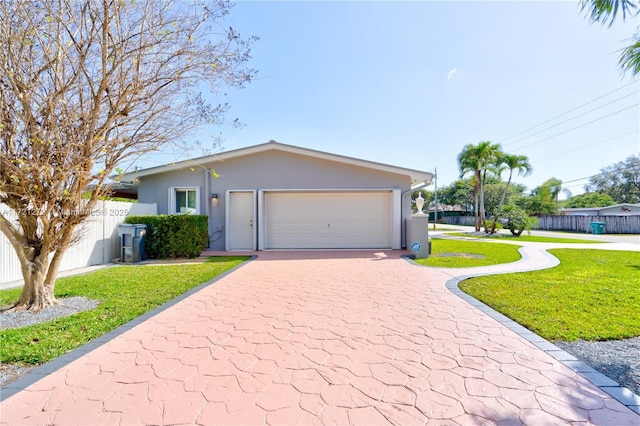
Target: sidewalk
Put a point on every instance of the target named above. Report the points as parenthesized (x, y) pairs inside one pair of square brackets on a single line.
[(608, 238)]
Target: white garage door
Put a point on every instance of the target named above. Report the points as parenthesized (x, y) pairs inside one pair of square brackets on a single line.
[(331, 220)]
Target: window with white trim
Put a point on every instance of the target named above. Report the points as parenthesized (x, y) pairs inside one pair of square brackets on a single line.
[(184, 200)]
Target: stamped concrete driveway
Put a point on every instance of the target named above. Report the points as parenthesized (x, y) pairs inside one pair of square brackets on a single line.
[(318, 338)]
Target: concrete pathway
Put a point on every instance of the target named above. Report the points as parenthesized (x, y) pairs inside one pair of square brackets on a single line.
[(322, 338), (606, 238)]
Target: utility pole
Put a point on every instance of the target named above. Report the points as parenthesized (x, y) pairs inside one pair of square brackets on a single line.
[(435, 197)]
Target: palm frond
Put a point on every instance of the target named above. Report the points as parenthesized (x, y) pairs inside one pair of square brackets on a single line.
[(630, 57), (607, 10)]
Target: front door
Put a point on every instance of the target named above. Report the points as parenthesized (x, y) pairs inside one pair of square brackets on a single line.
[(241, 218)]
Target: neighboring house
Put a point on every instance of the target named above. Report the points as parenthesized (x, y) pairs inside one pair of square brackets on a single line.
[(616, 210), (276, 196), (124, 190), (447, 208)]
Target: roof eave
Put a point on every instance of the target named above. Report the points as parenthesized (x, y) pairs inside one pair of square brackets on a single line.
[(416, 176)]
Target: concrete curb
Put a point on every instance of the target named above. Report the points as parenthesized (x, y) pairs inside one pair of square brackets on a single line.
[(50, 367)]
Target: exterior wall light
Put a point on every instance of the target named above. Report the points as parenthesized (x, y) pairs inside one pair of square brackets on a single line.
[(214, 200)]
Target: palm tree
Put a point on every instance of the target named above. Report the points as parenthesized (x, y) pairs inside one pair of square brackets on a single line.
[(513, 162), (466, 164), (477, 159)]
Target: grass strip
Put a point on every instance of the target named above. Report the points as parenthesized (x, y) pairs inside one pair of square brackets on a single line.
[(124, 293), (592, 295), (464, 254)]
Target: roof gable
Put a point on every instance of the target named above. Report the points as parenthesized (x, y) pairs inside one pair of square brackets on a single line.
[(416, 176)]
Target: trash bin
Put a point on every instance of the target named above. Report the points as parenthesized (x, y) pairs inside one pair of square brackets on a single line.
[(132, 242), (597, 228)]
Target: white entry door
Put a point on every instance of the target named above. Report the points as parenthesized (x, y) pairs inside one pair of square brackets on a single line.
[(241, 220)]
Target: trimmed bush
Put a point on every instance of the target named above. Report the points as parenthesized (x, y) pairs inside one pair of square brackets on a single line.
[(517, 219), (173, 236)]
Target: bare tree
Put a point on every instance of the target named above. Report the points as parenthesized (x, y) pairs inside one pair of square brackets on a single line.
[(85, 85)]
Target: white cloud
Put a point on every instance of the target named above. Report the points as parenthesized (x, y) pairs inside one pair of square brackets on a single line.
[(451, 73)]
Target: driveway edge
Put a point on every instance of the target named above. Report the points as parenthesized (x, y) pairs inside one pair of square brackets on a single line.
[(607, 385), (50, 367)]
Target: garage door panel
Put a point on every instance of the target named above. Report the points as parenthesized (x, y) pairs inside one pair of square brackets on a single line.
[(297, 220)]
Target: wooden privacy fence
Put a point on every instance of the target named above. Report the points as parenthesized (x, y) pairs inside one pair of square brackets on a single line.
[(457, 220), (99, 242), (613, 224)]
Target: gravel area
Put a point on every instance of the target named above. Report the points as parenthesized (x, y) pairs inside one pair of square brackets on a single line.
[(616, 359), (66, 307)]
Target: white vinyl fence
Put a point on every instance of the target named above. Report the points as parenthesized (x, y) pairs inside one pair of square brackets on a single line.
[(99, 242)]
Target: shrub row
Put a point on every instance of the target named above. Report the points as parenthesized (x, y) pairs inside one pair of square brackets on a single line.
[(173, 236)]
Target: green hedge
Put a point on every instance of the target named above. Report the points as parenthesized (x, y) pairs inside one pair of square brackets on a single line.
[(173, 236)]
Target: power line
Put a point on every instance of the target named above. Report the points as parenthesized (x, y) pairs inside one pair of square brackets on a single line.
[(572, 118), (582, 125), (446, 168), (571, 110), (588, 146), (619, 169)]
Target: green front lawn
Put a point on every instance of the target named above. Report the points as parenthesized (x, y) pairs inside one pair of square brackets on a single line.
[(525, 238), (463, 254), (591, 295), (124, 293)]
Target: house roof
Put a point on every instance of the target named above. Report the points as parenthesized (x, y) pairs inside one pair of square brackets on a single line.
[(584, 209), (417, 177), (125, 190)]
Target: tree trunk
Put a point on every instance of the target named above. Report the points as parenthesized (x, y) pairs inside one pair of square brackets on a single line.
[(476, 214), (39, 274), (36, 295), (39, 282), (482, 209), (500, 204), (476, 210)]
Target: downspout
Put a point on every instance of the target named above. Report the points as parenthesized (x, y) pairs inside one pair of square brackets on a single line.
[(207, 195), (416, 187), (207, 203)]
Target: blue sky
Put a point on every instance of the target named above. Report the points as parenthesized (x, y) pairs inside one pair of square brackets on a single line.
[(411, 83)]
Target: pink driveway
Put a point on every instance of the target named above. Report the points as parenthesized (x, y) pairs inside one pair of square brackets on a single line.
[(318, 338)]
